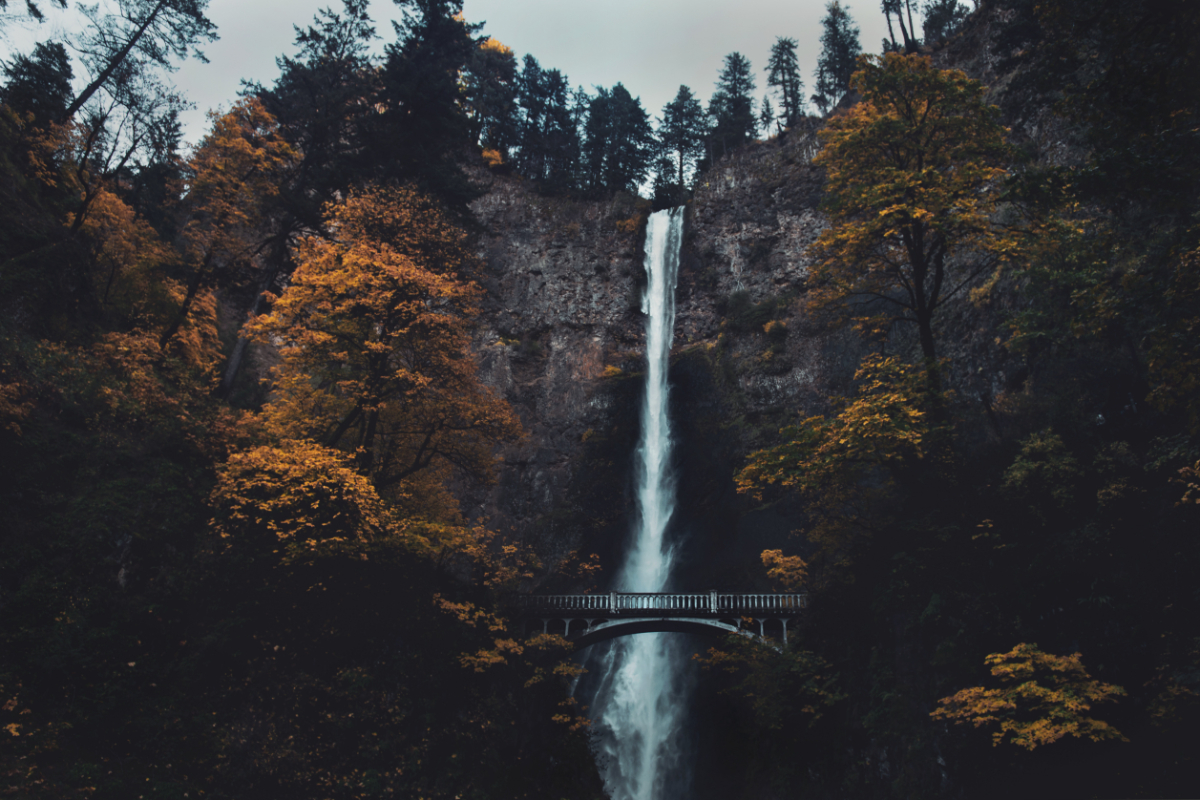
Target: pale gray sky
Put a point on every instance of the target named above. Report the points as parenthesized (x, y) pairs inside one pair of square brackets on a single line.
[(651, 46)]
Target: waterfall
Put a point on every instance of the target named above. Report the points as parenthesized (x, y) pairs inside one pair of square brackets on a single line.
[(638, 704)]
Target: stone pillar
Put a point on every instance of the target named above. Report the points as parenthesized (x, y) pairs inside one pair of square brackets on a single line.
[(712, 601)]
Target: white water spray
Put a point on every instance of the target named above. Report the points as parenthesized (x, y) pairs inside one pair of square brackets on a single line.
[(638, 707)]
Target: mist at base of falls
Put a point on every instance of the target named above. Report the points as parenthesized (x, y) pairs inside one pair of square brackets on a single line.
[(640, 695)]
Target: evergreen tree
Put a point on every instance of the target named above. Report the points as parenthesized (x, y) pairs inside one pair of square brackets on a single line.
[(549, 130), (322, 100), (39, 84), (908, 33), (619, 143), (783, 73), (423, 128), (492, 92), (732, 107), (839, 52), (681, 133), (943, 18), (766, 117)]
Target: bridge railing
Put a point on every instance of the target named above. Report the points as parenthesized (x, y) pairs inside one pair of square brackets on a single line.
[(711, 603)]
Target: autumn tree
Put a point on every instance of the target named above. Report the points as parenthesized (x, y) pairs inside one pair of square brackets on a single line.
[(1042, 698), (913, 181), (783, 74), (848, 464), (839, 53), (374, 328), (232, 177)]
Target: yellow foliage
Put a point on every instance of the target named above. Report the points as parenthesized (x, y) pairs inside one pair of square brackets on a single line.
[(492, 157), (613, 372), (913, 180), (301, 499), (1042, 698), (787, 572), (1189, 477), (376, 347)]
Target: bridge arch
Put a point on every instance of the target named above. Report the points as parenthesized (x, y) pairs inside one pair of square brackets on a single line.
[(614, 628)]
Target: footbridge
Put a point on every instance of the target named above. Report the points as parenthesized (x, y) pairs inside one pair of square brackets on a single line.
[(586, 619)]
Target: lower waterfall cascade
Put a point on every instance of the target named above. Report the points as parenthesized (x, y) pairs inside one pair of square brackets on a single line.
[(638, 705)]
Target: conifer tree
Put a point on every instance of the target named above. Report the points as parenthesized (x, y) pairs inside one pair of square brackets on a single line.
[(839, 52), (908, 33), (783, 73), (732, 106), (492, 95), (619, 143), (681, 132), (766, 117)]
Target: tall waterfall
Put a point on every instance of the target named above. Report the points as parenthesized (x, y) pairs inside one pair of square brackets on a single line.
[(638, 707)]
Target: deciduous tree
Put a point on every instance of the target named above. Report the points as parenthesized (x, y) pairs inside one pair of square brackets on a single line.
[(1042, 699), (374, 328), (913, 180)]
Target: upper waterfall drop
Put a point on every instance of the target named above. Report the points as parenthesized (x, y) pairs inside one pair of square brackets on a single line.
[(647, 565)]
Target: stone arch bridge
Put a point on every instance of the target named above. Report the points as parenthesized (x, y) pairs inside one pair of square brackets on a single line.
[(586, 619)]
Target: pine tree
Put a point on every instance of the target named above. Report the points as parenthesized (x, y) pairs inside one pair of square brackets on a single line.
[(681, 132), (732, 107), (492, 93), (783, 73), (908, 33), (766, 117), (943, 18), (423, 127), (840, 50), (619, 142)]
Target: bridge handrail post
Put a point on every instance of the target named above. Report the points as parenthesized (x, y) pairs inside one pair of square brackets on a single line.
[(612, 602)]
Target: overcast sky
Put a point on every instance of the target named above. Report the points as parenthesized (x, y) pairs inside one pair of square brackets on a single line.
[(651, 46)]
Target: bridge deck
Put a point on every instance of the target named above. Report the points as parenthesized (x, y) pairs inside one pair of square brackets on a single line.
[(660, 604)]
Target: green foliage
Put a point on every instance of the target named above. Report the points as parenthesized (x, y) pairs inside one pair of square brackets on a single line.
[(839, 54), (783, 74), (731, 106)]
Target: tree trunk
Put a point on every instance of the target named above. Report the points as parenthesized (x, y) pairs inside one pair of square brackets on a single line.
[(115, 62)]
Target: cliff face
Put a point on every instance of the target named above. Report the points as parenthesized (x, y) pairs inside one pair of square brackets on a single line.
[(562, 339)]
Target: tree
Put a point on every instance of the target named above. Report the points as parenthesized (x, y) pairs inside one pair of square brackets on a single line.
[(32, 8), (492, 89), (839, 52), (908, 33), (681, 131), (732, 106), (943, 18), (376, 345), (619, 143), (766, 117), (423, 127), (232, 178), (1043, 698), (783, 73), (39, 84), (323, 100), (912, 193), (140, 34)]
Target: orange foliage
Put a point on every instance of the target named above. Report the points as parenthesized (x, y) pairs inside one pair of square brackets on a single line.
[(375, 339), (1043, 698), (787, 572)]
